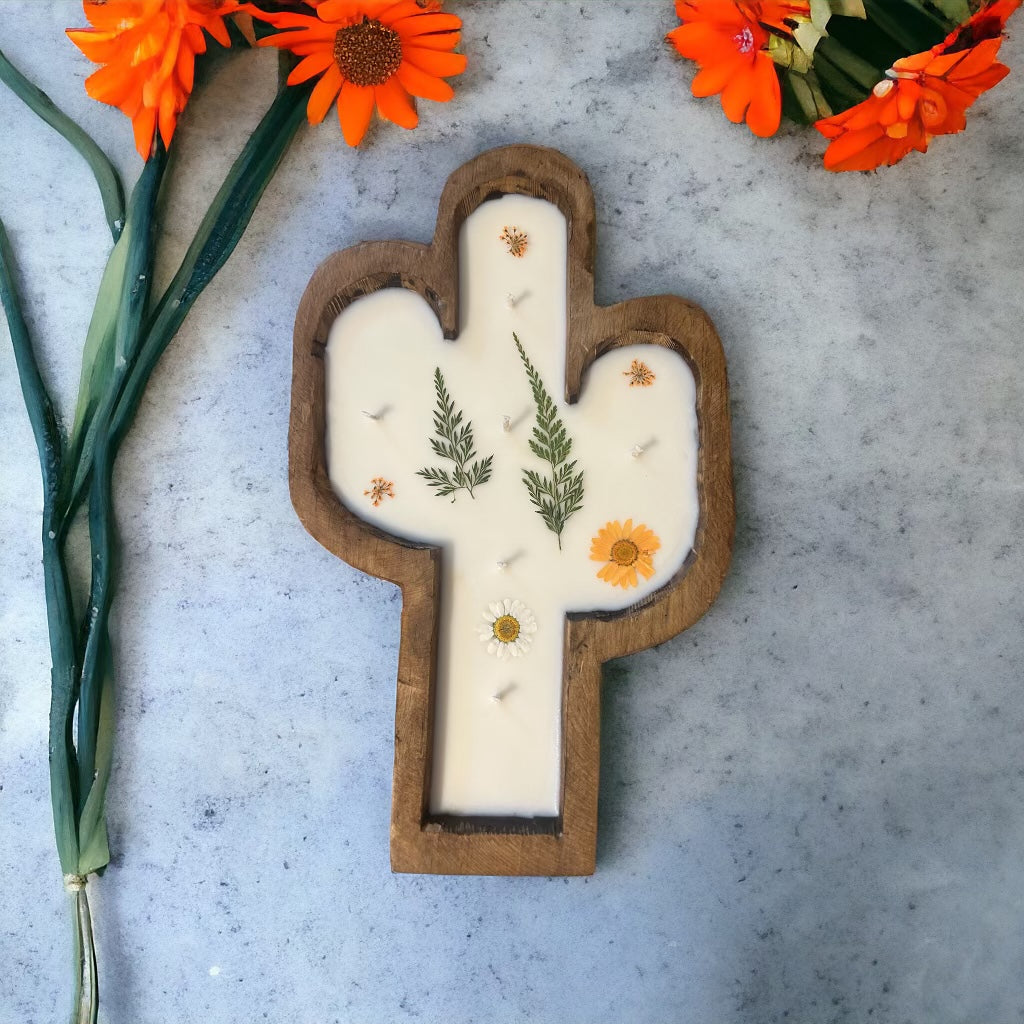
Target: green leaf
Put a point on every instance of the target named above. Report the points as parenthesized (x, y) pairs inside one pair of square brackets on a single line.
[(95, 689), (854, 67), (795, 55), (840, 92), (97, 368), (809, 96), (112, 342), (454, 442), (108, 180), (845, 8), (41, 413), (92, 828), (556, 497), (914, 29), (59, 613), (948, 13)]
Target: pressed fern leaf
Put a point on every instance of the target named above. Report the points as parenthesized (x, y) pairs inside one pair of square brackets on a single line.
[(454, 442), (559, 495)]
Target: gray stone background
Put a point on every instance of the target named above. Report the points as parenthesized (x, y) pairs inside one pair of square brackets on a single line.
[(811, 803)]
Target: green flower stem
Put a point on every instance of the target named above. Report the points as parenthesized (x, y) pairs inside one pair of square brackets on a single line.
[(123, 346), (87, 989), (138, 237), (859, 71), (220, 231), (41, 414), (108, 180), (843, 90), (912, 28), (60, 618)]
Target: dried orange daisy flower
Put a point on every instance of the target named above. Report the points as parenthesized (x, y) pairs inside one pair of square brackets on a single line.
[(625, 550), (729, 40), (370, 53), (148, 50), (923, 95)]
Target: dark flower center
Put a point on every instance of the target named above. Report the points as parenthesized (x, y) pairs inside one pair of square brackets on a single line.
[(368, 53), (625, 552)]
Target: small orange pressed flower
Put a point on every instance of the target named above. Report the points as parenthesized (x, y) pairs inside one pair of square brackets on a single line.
[(370, 53), (640, 374), (379, 489), (923, 95), (148, 50), (625, 550), (729, 40), (516, 241)]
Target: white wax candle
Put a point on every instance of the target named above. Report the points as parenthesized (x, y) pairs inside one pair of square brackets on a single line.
[(498, 719)]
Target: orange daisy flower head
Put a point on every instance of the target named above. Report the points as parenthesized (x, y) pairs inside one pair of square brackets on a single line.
[(626, 551), (923, 95), (729, 40), (148, 50), (370, 53)]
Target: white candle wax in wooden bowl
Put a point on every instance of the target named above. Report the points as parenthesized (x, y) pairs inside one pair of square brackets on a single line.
[(508, 577)]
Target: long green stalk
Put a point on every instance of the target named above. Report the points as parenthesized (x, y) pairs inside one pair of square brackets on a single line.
[(96, 678), (59, 614), (220, 231), (87, 984), (108, 180), (124, 343), (913, 28)]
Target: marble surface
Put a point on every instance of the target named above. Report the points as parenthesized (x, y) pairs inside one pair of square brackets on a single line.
[(811, 803)]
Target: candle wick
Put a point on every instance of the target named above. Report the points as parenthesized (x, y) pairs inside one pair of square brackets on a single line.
[(506, 424), (637, 451), (505, 562), (510, 301), (371, 415)]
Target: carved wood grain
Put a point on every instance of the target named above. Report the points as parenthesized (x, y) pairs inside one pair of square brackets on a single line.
[(566, 845)]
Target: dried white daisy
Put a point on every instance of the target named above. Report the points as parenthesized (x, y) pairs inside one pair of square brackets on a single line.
[(508, 629)]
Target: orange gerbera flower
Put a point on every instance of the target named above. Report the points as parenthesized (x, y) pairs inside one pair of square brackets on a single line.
[(148, 49), (370, 53), (625, 550), (729, 39), (923, 95)]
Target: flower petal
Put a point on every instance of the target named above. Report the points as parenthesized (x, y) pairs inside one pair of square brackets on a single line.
[(309, 66), (144, 127), (395, 104), (323, 94), (713, 78), (736, 98), (355, 108), (419, 83), (435, 62), (765, 111), (438, 40), (418, 24)]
